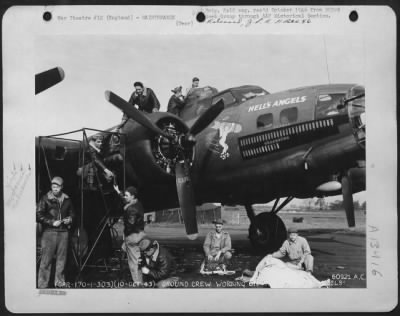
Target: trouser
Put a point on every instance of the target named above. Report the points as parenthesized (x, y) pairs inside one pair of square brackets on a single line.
[(170, 282), (223, 258), (53, 243), (308, 263), (133, 251)]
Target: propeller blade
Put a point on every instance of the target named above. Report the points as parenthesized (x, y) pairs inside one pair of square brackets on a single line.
[(186, 199), (207, 117), (348, 199), (134, 114), (48, 78)]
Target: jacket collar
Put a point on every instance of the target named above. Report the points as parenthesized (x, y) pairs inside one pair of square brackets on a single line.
[(221, 233), (51, 196), (157, 252), (129, 204)]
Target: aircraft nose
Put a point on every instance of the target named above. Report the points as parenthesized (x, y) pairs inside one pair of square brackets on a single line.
[(357, 114)]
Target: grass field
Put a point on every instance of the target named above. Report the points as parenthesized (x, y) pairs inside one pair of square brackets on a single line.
[(339, 252)]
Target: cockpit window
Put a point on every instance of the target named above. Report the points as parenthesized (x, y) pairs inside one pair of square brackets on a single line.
[(250, 95), (327, 104), (227, 97), (288, 116), (265, 120), (325, 98)]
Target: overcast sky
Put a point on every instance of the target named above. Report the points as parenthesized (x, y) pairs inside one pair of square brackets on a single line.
[(93, 64)]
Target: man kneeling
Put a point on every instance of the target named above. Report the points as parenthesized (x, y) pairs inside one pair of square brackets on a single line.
[(297, 250), (157, 264), (217, 247)]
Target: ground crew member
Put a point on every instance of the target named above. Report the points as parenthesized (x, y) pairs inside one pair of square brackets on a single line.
[(55, 212), (133, 231), (96, 162), (195, 84), (158, 266), (176, 102), (217, 246), (297, 251), (144, 98)]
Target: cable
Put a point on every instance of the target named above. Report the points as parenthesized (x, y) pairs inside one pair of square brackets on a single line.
[(326, 60)]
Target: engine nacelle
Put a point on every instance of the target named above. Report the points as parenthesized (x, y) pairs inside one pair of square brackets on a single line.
[(152, 157)]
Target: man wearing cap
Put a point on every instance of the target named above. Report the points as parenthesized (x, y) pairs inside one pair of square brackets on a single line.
[(217, 245), (56, 214), (144, 98), (297, 250), (96, 163), (176, 103), (195, 84), (133, 231), (158, 266)]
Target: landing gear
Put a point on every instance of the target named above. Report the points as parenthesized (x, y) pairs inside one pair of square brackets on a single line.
[(267, 231)]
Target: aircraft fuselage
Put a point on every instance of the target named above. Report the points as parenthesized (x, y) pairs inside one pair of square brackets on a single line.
[(274, 145)]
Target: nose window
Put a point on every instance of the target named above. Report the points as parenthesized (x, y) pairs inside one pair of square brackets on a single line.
[(327, 105)]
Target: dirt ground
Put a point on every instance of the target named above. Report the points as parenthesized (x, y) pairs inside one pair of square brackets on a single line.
[(339, 253)]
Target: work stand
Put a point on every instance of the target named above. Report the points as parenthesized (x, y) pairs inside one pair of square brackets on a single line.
[(81, 252)]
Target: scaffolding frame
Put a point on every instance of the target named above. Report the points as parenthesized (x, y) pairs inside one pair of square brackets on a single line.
[(84, 143)]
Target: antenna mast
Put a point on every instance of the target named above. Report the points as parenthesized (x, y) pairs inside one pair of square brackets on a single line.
[(326, 60)]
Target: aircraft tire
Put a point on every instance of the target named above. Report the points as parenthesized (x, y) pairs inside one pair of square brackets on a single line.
[(268, 233)]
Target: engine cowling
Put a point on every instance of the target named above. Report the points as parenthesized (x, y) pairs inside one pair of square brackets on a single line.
[(356, 111), (153, 157)]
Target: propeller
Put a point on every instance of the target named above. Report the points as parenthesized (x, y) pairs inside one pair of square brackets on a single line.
[(348, 199), (48, 78), (186, 198), (134, 114), (184, 185), (206, 118), (202, 122)]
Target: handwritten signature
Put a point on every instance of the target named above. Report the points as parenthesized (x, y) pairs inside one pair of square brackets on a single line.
[(251, 21), (16, 183)]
